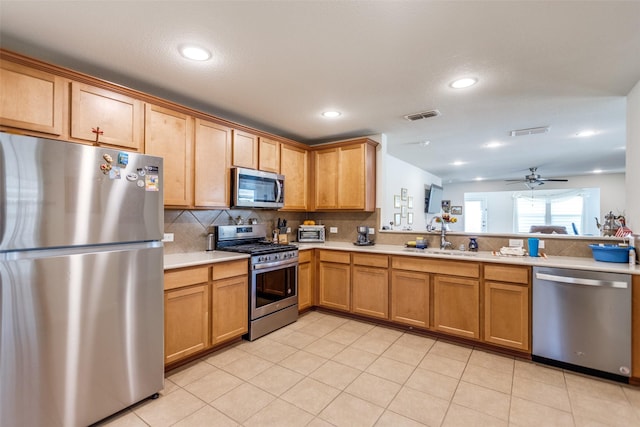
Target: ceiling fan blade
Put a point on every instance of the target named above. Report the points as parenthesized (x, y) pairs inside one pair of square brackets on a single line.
[(555, 180), (516, 180)]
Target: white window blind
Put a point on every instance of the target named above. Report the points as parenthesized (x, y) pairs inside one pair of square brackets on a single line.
[(562, 210)]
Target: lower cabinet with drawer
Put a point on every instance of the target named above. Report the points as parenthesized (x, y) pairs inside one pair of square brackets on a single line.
[(305, 280)]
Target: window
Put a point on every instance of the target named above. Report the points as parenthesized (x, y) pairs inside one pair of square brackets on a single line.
[(560, 210)]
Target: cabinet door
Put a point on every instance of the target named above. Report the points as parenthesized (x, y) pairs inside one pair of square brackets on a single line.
[(506, 315), (186, 321), (293, 165), (32, 100), (245, 150), (334, 283), (326, 178), (119, 117), (456, 306), (169, 134), (370, 291), (410, 298), (212, 162), (268, 155), (351, 178), (305, 287), (230, 307)]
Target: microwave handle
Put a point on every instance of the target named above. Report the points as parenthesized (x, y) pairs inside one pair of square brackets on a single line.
[(279, 190)]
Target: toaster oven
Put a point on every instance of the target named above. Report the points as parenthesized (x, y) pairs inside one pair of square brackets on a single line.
[(311, 234)]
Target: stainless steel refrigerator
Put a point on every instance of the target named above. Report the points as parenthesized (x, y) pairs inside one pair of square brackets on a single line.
[(81, 281)]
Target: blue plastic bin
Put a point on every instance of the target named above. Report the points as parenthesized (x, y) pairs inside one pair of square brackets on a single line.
[(610, 253)]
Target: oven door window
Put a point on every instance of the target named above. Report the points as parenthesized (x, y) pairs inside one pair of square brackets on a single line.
[(275, 285)]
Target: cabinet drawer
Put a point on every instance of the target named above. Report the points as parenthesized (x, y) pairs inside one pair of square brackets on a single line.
[(335, 256), (371, 260), (304, 256), (185, 277), (507, 273), (229, 269), (431, 265)]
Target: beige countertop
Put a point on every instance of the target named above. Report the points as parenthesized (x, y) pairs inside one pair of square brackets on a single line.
[(581, 263)]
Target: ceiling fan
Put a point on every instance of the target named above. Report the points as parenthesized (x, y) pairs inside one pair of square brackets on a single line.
[(534, 179)]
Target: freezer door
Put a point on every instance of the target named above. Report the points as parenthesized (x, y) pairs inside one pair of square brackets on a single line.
[(58, 194), (81, 333)]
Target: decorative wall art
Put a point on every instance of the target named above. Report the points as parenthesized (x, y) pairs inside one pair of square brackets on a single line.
[(403, 193), (396, 219), (396, 202), (456, 210), (410, 202)]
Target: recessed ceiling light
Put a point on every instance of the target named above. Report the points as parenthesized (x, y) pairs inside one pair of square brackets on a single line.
[(424, 143), (463, 83), (597, 171), (586, 133), (478, 178), (195, 53), (493, 144), (331, 114), (458, 163)]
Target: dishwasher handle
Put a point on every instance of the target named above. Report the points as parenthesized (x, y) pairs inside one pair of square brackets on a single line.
[(581, 281)]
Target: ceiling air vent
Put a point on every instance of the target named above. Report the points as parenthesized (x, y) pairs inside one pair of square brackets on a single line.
[(530, 131), (422, 115)]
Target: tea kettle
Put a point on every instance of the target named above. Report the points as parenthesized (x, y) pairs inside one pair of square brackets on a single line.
[(611, 224)]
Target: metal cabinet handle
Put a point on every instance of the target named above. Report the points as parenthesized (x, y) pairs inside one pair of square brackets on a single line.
[(581, 281)]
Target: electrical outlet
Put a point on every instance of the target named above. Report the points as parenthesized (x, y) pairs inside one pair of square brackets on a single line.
[(541, 244), (516, 243), (288, 229), (372, 230), (168, 237), (333, 229)]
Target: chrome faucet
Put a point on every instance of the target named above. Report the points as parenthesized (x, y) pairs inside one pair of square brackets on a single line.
[(444, 244)]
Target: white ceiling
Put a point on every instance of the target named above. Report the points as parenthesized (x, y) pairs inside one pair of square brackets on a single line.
[(278, 64)]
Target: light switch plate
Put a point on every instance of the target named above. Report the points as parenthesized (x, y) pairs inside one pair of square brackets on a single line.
[(372, 230), (333, 229), (168, 237), (541, 244), (516, 243)]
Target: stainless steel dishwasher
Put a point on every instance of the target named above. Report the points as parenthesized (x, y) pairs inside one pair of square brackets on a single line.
[(582, 321)]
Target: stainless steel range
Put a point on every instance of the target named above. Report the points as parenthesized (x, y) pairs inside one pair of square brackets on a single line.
[(273, 271)]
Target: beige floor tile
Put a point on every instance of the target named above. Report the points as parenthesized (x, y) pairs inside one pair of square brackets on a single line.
[(357, 326), (169, 386), (274, 352), (247, 366), (189, 373), (371, 344), (279, 414), (242, 402), (632, 393), (122, 419), (532, 371), (460, 416), (432, 383), (310, 395), (168, 410), (225, 356), (324, 348), (348, 410), (417, 342), (588, 422), (451, 351), (481, 399), (207, 417), (619, 413), (319, 422), (542, 393), (495, 380), (335, 374), (443, 365), (594, 387), (318, 329), (213, 385), (492, 361), (343, 336), (401, 353), (276, 379), (385, 334), (297, 339), (391, 419), (525, 413), (391, 369), (419, 406), (355, 358), (373, 389), (302, 362)]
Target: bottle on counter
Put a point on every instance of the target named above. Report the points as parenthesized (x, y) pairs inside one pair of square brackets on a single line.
[(632, 251)]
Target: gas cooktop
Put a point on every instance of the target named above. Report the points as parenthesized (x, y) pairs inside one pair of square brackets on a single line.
[(258, 248)]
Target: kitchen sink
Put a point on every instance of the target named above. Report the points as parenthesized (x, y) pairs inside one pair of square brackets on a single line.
[(441, 252)]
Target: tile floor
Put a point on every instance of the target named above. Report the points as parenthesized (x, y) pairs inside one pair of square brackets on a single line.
[(326, 370)]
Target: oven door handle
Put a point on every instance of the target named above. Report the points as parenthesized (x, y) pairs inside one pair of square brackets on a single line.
[(275, 265)]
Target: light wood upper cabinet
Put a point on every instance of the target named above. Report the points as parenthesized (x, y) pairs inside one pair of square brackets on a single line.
[(212, 162), (345, 176), (31, 100), (244, 150), (456, 306), (294, 167), (169, 134), (119, 117), (268, 155), (506, 306)]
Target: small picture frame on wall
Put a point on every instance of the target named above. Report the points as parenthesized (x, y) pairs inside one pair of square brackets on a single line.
[(396, 219), (403, 193), (396, 202), (410, 218), (456, 210), (410, 202), (446, 206), (403, 211)]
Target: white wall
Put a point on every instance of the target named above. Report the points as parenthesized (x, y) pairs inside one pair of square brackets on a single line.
[(633, 159), (400, 174)]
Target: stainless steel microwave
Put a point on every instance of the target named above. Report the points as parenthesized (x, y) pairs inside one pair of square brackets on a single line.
[(311, 233), (256, 189)]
